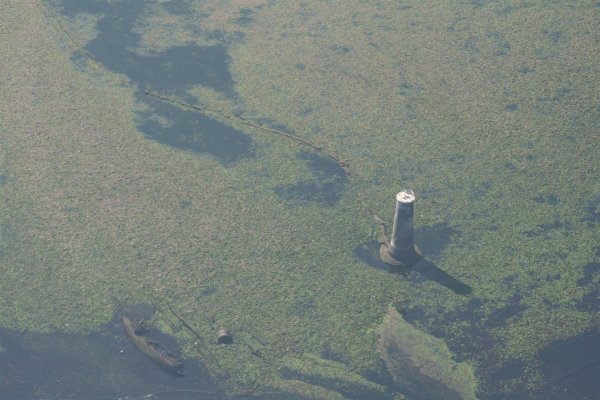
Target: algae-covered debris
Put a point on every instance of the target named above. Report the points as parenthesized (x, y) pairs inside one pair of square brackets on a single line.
[(421, 363)]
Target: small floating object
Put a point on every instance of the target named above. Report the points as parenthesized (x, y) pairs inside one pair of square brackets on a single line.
[(224, 337)]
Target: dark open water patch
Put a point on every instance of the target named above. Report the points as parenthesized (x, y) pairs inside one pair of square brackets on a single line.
[(325, 187), (246, 16), (102, 365), (546, 229), (188, 130), (170, 72), (500, 316), (589, 270), (592, 210), (550, 199), (178, 7), (106, 365), (590, 302), (433, 239), (500, 44), (571, 368)]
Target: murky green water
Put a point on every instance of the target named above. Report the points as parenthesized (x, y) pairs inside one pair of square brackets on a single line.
[(224, 160)]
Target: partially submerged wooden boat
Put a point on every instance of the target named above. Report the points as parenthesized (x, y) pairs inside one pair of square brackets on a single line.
[(152, 349)]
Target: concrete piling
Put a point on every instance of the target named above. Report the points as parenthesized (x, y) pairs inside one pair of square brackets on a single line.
[(224, 337), (401, 249)]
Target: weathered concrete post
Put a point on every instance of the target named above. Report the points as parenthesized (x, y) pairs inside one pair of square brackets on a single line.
[(401, 249)]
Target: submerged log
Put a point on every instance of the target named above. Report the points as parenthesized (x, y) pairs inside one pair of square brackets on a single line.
[(421, 364)]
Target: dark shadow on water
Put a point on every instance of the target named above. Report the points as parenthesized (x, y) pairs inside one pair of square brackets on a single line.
[(170, 72), (369, 253), (431, 271), (431, 240)]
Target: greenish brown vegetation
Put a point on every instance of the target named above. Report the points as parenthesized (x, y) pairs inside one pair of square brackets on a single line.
[(423, 362), (490, 113)]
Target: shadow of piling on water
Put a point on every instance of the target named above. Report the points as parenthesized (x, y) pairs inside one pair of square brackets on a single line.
[(369, 254)]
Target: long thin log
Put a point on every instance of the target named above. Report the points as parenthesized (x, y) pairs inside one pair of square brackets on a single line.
[(184, 323)]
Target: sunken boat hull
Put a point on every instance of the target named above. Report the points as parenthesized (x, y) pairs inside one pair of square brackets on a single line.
[(153, 350)]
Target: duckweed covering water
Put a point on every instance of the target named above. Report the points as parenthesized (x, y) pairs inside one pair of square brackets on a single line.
[(488, 110)]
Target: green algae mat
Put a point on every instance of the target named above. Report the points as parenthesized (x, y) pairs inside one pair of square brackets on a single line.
[(224, 161)]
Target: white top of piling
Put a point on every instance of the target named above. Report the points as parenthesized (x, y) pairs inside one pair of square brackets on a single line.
[(406, 196)]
